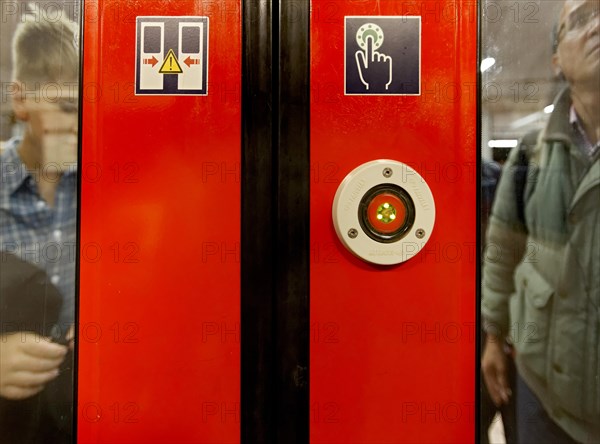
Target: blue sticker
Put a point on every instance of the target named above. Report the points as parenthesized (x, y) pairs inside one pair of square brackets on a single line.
[(382, 55), (171, 56)]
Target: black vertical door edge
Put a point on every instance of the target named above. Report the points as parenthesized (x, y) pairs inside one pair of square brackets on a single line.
[(293, 204), (258, 245), (81, 22), (275, 222)]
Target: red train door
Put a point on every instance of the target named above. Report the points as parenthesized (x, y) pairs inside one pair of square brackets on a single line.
[(159, 313), (393, 279), (189, 200)]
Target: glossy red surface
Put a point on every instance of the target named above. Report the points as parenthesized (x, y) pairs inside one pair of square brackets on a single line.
[(159, 334), (393, 349)]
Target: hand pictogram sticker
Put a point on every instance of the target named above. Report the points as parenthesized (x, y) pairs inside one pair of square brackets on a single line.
[(172, 55), (382, 55)]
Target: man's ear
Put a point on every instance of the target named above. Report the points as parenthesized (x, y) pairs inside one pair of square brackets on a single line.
[(556, 69), (18, 102)]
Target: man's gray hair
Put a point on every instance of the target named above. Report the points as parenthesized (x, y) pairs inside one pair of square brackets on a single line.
[(45, 50)]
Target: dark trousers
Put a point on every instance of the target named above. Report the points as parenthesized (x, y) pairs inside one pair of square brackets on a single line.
[(534, 424)]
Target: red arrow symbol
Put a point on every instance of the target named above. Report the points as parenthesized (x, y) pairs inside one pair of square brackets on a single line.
[(189, 61), (151, 61)]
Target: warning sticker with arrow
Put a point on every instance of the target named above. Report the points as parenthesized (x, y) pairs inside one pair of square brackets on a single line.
[(172, 56)]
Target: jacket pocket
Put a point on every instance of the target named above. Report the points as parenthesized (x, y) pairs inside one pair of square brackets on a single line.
[(530, 318)]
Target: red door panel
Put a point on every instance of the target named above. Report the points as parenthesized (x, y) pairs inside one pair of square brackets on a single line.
[(159, 331), (393, 348)]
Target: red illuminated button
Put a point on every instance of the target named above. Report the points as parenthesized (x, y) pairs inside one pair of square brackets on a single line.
[(386, 213)]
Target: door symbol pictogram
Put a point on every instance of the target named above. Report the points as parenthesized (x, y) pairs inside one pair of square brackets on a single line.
[(172, 56)]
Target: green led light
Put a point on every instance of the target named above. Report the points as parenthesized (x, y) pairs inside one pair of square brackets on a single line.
[(386, 213)]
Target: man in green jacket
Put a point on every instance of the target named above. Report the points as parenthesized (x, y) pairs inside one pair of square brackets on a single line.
[(543, 290)]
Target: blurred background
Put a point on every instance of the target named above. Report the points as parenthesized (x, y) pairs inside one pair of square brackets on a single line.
[(518, 85)]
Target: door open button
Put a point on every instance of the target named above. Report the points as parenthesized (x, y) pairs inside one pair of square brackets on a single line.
[(383, 212), (386, 213)]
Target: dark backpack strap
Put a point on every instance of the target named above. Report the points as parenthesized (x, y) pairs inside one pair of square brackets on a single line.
[(521, 169)]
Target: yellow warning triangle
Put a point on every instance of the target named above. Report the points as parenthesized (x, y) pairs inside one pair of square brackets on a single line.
[(170, 65)]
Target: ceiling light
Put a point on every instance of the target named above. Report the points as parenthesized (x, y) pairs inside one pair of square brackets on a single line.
[(503, 143), (487, 63)]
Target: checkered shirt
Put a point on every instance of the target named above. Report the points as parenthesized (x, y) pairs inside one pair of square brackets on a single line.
[(582, 139), (35, 232)]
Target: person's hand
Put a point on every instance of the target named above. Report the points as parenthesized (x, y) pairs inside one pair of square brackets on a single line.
[(71, 337), (494, 366), (27, 363)]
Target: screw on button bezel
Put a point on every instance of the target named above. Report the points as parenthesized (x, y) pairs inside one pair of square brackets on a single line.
[(372, 232)]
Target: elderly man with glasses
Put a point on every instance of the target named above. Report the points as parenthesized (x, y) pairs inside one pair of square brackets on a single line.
[(543, 291)]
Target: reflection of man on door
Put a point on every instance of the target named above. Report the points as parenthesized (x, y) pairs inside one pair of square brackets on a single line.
[(38, 196), (548, 300)]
